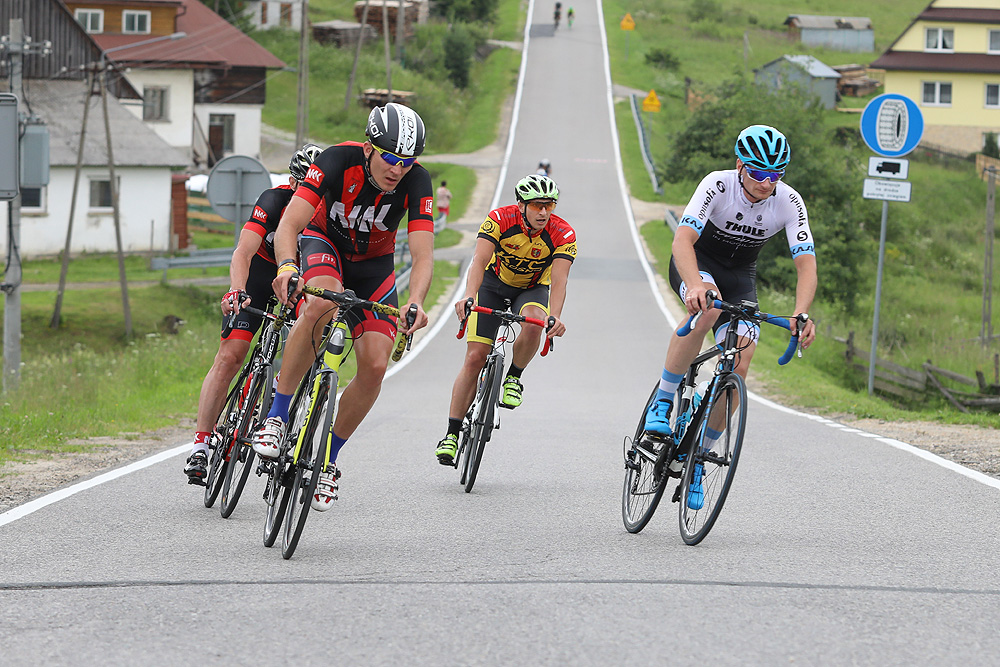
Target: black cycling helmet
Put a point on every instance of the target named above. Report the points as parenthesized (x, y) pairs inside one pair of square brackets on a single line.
[(396, 129), (301, 159), (763, 147), (536, 186)]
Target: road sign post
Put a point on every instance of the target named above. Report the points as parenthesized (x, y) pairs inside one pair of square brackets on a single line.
[(628, 25), (233, 186), (892, 126)]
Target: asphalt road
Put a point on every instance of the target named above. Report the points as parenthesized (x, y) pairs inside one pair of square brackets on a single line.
[(834, 547)]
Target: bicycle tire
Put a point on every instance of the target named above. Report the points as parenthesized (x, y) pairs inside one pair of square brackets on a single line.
[(643, 488), (219, 459), (728, 407), (253, 410), (279, 473), (462, 456), (482, 423), (308, 467)]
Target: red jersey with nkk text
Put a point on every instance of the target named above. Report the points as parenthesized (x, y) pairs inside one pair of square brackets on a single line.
[(359, 219)]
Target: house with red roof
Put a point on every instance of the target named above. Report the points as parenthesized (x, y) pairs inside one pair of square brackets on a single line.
[(202, 81)]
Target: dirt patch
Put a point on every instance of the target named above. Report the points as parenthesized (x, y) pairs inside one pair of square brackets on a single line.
[(23, 481)]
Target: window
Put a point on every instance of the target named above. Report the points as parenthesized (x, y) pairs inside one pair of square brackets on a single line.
[(286, 15), (263, 13), (937, 93), (154, 103), (100, 193), (92, 20), (939, 39), (993, 96), (135, 22), (33, 200), (994, 41)]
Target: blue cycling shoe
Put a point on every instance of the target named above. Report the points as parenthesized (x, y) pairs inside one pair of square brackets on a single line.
[(696, 492), (658, 418)]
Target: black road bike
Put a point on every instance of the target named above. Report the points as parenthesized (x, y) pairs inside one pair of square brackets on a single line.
[(707, 435)]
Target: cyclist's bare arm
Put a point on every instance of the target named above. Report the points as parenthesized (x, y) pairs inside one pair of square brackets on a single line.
[(557, 294), (286, 241), (239, 268), (481, 257), (805, 291), (687, 266), (422, 254)]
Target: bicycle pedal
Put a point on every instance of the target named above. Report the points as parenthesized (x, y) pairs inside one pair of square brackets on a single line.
[(197, 481), (677, 495)]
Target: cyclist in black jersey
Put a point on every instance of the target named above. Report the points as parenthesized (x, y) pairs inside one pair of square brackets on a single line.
[(250, 274), (725, 225), (348, 210)]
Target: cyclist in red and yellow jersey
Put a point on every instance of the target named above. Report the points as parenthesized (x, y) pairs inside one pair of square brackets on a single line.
[(524, 253)]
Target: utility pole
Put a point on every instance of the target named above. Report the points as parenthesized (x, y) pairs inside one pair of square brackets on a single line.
[(115, 206), (400, 23), (986, 333), (302, 118), (17, 46), (388, 51), (357, 55)]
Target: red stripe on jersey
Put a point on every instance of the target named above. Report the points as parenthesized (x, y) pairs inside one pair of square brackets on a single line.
[(308, 195)]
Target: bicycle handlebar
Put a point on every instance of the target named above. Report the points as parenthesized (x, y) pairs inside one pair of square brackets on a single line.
[(509, 318), (755, 316), (405, 341)]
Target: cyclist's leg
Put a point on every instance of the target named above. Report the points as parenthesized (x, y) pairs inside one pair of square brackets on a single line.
[(533, 302), (321, 267)]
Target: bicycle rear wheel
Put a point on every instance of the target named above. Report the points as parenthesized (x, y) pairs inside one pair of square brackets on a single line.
[(643, 486), (712, 462), (255, 406), (482, 420), (222, 438), (310, 463)]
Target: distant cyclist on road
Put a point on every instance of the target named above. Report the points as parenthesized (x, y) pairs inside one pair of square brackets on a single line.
[(250, 274), (523, 253), (731, 215), (557, 13), (359, 194), (544, 167), (570, 15)]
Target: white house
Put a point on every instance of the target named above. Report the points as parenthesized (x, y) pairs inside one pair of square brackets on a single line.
[(143, 167)]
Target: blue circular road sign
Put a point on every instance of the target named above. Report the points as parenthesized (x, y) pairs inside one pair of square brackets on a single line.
[(892, 125)]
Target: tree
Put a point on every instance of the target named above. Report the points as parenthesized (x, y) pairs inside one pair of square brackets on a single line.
[(822, 169), (990, 146)]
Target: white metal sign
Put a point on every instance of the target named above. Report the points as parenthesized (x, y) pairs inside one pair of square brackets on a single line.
[(883, 167), (887, 190)]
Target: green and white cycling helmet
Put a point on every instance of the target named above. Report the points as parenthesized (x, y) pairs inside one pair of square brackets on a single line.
[(536, 186), (763, 147)]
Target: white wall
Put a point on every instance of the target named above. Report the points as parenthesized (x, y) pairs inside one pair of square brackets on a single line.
[(144, 210), (246, 131), (179, 129), (274, 14)]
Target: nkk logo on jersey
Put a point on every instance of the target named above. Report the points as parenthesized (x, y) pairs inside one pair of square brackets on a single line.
[(427, 205), (314, 176), (259, 214)]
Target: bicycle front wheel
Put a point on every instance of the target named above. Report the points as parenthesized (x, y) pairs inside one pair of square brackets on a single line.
[(710, 465), (310, 462), (482, 420), (255, 406), (222, 437), (275, 499), (643, 486)]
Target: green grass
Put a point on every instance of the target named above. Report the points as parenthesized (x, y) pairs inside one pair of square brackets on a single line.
[(86, 380)]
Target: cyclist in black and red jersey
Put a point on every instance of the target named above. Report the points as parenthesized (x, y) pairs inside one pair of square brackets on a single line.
[(348, 210), (523, 251), (250, 274)]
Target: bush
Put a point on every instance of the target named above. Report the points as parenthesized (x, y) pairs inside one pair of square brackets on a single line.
[(662, 59), (822, 170), (705, 10), (991, 148), (467, 11), (458, 49)]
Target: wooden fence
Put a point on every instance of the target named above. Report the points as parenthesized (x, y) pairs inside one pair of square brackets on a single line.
[(918, 385)]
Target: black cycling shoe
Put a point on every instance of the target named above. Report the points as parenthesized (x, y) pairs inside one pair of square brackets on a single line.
[(197, 468)]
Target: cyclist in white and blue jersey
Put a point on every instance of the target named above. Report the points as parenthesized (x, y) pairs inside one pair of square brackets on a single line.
[(732, 214)]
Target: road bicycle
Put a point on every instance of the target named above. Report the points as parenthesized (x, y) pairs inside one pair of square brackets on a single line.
[(482, 417), (247, 403), (708, 430), (305, 450)]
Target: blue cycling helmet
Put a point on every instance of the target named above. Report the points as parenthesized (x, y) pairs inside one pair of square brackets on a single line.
[(763, 147)]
